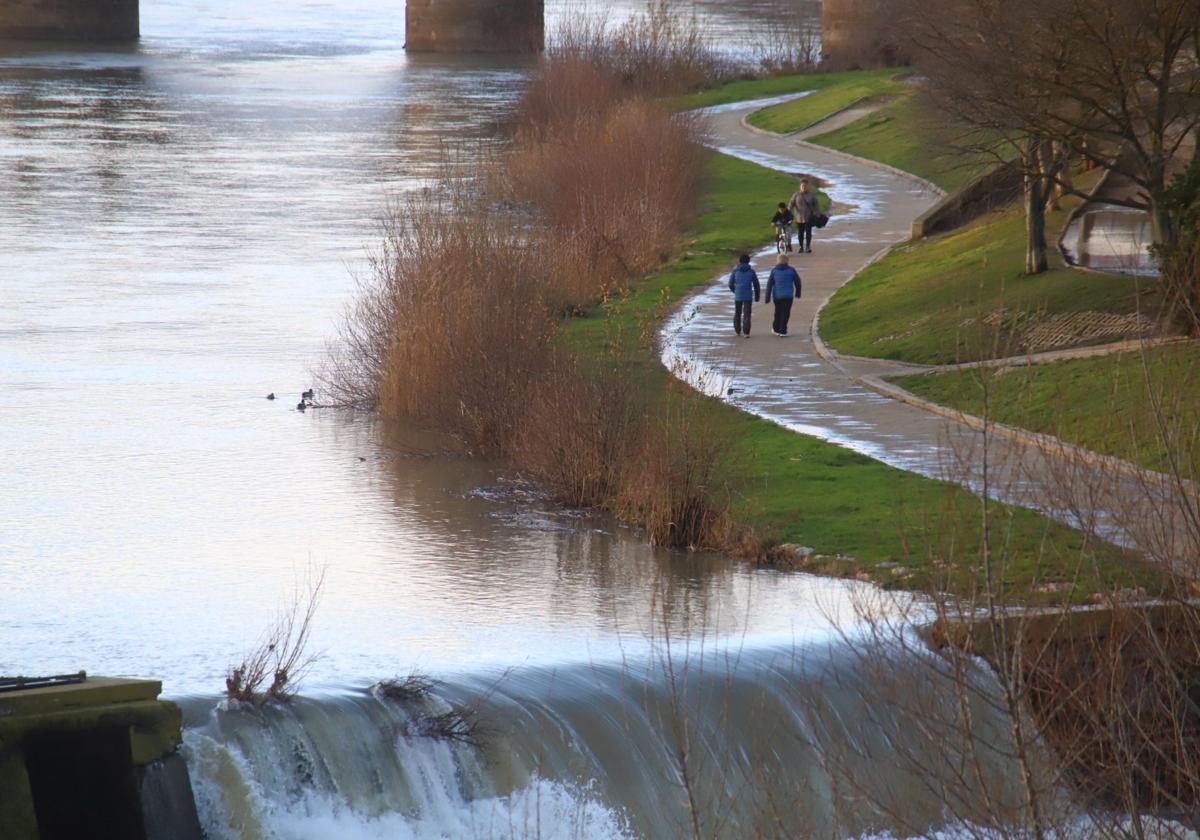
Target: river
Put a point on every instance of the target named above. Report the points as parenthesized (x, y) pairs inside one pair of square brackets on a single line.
[(181, 225)]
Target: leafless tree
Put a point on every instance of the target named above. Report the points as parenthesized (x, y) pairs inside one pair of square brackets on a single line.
[(1111, 82)]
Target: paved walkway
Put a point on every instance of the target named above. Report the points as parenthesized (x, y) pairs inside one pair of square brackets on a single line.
[(788, 381)]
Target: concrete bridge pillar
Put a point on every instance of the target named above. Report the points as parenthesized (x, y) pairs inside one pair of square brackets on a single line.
[(69, 20), (480, 26), (861, 33)]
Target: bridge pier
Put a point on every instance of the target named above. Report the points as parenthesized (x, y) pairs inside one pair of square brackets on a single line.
[(69, 20), (479, 26), (860, 33)]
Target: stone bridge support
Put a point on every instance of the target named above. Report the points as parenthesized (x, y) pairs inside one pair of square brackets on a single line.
[(861, 33), (69, 20), (479, 26)]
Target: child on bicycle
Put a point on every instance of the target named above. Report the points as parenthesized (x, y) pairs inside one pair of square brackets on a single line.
[(782, 220)]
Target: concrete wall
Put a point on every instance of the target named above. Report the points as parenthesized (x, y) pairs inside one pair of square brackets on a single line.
[(480, 26), (69, 20), (861, 33), (995, 188), (100, 750)]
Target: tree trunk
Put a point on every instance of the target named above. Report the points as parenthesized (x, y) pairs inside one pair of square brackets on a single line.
[(1035, 208), (1162, 225), (1035, 230)]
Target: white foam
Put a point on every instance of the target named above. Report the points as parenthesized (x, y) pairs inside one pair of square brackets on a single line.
[(234, 806)]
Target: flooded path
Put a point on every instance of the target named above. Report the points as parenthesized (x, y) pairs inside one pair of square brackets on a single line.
[(808, 388)]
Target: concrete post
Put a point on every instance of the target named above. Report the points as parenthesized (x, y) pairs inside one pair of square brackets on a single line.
[(69, 20), (475, 26)]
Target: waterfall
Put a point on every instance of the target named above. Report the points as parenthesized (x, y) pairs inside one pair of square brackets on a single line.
[(782, 741)]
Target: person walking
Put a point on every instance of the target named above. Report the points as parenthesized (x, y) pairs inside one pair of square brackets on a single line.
[(743, 282), (783, 286), (805, 206)]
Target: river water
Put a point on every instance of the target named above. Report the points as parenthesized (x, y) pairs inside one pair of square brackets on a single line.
[(181, 224)]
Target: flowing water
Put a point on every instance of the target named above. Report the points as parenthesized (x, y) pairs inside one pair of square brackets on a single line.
[(180, 227)]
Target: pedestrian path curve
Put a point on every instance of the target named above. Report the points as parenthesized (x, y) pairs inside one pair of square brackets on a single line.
[(788, 381)]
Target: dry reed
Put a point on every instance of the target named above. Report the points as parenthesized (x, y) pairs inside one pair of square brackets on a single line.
[(457, 327)]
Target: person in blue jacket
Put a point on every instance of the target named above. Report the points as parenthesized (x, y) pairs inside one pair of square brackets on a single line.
[(743, 282), (784, 286)]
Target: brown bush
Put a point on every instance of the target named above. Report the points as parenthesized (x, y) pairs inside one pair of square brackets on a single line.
[(576, 432), (660, 52), (469, 319), (457, 327), (620, 186), (671, 483)]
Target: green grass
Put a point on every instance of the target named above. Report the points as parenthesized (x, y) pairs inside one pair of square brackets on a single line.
[(831, 92), (753, 89), (963, 296), (904, 135), (800, 489), (1104, 404)]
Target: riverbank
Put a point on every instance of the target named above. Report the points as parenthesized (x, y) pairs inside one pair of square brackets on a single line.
[(857, 515), (576, 395)]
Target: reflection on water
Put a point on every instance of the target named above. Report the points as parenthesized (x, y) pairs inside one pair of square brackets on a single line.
[(180, 223)]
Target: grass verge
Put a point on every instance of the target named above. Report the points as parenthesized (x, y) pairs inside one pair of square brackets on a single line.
[(901, 133), (862, 517), (1129, 405), (831, 93), (905, 134)]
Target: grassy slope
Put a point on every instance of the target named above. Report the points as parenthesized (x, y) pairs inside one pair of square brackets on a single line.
[(831, 92), (900, 133), (747, 89), (925, 301), (903, 135), (1099, 403), (792, 487)]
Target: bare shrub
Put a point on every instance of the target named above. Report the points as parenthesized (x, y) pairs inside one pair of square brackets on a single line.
[(469, 318), (671, 486), (458, 327), (790, 46), (618, 188), (412, 688), (577, 431), (272, 671), (1047, 718), (459, 724), (663, 50)]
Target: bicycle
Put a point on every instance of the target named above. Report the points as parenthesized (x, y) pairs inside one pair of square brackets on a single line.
[(783, 238)]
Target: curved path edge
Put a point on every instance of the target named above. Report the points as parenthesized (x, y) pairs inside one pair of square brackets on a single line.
[(879, 385), (801, 384)]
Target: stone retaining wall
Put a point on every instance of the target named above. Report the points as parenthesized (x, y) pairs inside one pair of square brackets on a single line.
[(992, 189)]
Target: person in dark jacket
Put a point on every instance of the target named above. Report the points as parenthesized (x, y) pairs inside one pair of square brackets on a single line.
[(805, 206), (783, 286), (782, 220), (743, 282)]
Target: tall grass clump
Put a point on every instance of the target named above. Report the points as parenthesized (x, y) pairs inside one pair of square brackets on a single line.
[(458, 326)]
